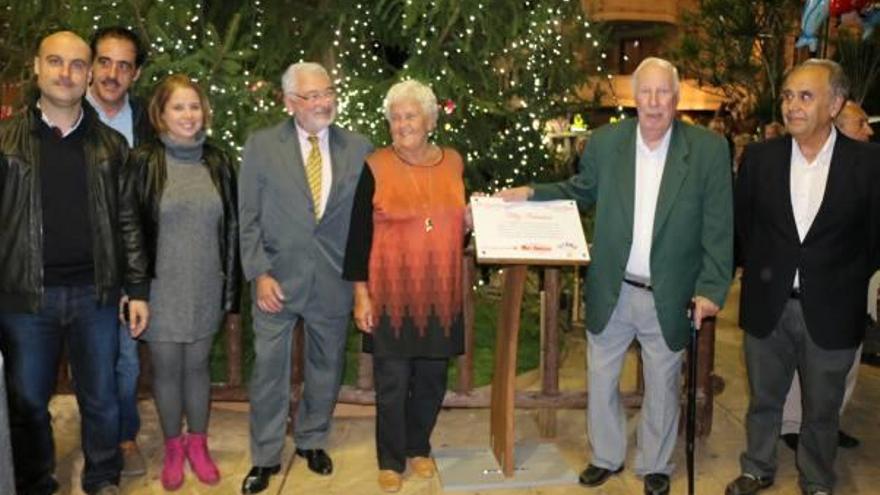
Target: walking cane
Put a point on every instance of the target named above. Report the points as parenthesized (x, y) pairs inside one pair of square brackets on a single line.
[(691, 399)]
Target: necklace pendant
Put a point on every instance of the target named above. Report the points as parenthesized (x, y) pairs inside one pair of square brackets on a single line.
[(429, 225)]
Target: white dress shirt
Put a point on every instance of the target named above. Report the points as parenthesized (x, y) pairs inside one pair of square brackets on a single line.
[(649, 173), (808, 180), (305, 147), (52, 125)]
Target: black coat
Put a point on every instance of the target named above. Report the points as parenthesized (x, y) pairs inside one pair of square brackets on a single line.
[(147, 173), (140, 122), (118, 251), (838, 255)]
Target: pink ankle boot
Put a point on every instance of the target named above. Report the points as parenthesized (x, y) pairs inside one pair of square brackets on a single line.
[(172, 467), (200, 460)]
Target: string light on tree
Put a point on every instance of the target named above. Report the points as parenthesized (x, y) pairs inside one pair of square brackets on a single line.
[(499, 89)]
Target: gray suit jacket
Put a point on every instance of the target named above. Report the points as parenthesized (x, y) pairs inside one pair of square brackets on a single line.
[(279, 233)]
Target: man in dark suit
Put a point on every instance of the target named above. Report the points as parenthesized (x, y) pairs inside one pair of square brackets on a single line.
[(807, 220), (663, 237), (295, 196), (852, 122)]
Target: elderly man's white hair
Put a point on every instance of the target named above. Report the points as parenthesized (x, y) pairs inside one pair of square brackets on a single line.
[(411, 89), (656, 62), (289, 79)]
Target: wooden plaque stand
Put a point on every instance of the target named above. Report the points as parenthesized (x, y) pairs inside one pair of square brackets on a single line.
[(501, 434)]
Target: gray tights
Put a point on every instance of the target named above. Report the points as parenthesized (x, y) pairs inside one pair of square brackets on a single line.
[(182, 385)]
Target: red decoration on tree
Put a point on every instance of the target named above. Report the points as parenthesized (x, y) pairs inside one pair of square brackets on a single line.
[(449, 106)]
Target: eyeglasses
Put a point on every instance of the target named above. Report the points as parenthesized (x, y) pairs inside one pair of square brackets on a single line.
[(327, 94)]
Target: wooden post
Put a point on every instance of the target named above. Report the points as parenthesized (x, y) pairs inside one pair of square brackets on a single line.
[(233, 350), (576, 298), (145, 378), (465, 362), (504, 379), (549, 349), (550, 370), (365, 371)]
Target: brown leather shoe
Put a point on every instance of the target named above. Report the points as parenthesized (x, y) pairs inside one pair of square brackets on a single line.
[(133, 462), (423, 466), (390, 481)]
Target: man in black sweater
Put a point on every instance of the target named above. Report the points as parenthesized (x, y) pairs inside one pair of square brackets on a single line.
[(69, 242)]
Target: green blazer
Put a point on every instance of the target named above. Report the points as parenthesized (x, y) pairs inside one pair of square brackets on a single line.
[(692, 245)]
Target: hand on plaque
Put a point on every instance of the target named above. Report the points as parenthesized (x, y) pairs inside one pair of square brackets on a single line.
[(522, 193)]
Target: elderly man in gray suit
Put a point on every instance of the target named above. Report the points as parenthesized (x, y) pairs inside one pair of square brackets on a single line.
[(295, 195)]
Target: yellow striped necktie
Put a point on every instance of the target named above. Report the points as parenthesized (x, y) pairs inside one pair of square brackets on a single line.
[(313, 173)]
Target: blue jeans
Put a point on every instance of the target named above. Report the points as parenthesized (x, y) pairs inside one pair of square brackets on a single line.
[(31, 345), (127, 371)]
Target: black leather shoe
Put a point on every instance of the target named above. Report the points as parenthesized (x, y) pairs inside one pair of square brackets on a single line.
[(257, 478), (656, 484), (595, 476), (846, 441), (319, 461), (791, 440), (747, 484)]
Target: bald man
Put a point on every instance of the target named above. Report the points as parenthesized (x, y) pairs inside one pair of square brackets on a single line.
[(69, 242)]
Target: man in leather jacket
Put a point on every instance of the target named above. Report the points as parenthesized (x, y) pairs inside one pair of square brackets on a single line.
[(117, 57), (69, 242)]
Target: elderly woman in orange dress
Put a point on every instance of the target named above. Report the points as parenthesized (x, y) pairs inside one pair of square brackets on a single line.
[(404, 256)]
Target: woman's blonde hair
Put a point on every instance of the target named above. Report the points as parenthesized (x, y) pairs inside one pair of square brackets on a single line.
[(163, 93)]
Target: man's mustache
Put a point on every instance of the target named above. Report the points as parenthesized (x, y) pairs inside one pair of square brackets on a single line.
[(64, 81)]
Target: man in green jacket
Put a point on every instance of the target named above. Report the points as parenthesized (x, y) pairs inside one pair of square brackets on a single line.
[(663, 238)]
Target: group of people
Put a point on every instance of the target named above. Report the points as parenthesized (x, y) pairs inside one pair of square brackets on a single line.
[(108, 204), (115, 210), (112, 210), (805, 213)]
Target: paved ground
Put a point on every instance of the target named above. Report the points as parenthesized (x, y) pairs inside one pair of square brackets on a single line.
[(352, 446)]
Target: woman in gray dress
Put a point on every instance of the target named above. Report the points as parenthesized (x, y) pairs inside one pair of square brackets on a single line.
[(186, 190)]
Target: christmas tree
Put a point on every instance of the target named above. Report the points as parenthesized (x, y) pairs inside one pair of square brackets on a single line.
[(500, 68)]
